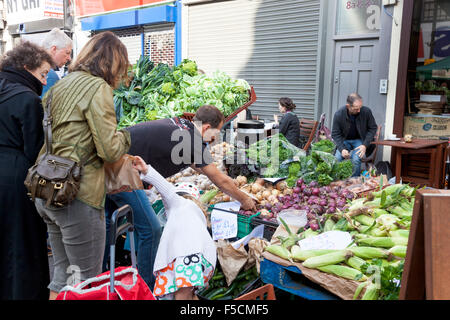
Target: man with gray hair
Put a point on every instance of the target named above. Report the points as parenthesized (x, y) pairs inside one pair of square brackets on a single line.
[(353, 130), (59, 46)]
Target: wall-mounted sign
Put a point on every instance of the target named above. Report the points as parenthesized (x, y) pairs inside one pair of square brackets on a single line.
[(92, 7), (22, 11), (358, 17)]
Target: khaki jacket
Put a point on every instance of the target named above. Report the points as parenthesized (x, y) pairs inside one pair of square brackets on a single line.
[(84, 129)]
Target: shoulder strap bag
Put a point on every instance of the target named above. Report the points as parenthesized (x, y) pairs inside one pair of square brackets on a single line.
[(53, 178)]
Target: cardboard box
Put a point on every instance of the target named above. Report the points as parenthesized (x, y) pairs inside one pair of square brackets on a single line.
[(427, 127)]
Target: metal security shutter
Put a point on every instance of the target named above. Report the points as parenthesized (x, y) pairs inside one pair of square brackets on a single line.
[(132, 39), (271, 44)]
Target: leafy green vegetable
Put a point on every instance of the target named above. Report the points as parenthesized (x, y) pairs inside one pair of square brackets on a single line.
[(342, 170), (390, 275), (323, 145), (162, 91), (324, 179)]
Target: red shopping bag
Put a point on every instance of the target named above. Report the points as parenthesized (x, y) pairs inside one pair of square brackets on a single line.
[(128, 285)]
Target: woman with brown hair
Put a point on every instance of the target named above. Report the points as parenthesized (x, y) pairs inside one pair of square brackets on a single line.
[(23, 248), (84, 129)]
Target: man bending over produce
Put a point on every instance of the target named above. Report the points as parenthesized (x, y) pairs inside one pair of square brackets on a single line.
[(354, 128), (163, 145)]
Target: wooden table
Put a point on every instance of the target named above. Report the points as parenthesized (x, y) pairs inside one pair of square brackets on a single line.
[(420, 162)]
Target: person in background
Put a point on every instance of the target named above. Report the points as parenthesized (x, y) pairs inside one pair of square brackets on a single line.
[(289, 124), (23, 249), (170, 146), (59, 46), (186, 256), (353, 130), (84, 129)]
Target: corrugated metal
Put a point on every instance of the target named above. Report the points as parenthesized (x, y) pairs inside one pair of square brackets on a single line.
[(131, 38), (272, 44)]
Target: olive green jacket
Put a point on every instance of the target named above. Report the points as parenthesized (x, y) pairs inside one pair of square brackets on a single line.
[(84, 129)]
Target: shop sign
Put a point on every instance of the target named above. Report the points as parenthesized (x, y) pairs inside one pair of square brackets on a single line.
[(22, 11), (92, 7), (358, 17)]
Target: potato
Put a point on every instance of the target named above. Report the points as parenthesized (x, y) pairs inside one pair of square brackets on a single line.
[(260, 181), (266, 194)]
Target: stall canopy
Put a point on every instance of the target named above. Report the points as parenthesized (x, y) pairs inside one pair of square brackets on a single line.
[(439, 69)]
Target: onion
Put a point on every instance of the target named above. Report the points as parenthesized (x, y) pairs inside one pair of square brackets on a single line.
[(266, 194), (296, 190), (268, 206), (260, 181), (275, 192), (256, 188), (299, 182), (241, 180), (281, 185), (307, 191), (313, 184), (314, 226), (323, 202), (315, 191), (296, 207), (331, 209)]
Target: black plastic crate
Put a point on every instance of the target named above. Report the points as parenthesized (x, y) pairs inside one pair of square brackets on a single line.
[(269, 227)]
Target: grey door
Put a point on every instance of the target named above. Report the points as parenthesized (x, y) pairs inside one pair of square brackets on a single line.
[(354, 65)]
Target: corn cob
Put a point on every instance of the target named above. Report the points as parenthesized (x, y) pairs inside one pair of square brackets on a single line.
[(329, 224), (327, 259), (363, 219), (343, 272), (399, 233), (377, 232), (355, 262), (383, 242), (369, 252), (371, 292), (378, 212), (359, 289), (398, 251), (279, 251), (400, 212), (389, 189), (301, 255)]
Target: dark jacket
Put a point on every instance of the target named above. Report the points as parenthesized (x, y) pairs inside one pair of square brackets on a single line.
[(365, 124), (290, 128), (23, 244)]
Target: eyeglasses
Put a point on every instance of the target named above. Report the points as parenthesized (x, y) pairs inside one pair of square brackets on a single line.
[(44, 75)]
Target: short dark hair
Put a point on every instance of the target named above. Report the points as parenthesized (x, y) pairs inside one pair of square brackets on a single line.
[(352, 97), (287, 103), (209, 114), (26, 54)]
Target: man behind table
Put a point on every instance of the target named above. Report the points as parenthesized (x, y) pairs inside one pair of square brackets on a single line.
[(354, 129)]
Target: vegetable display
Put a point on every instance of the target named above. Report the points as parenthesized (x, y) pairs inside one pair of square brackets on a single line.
[(379, 224), (162, 91)]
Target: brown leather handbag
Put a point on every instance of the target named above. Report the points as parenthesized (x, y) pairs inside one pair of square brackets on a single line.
[(53, 178)]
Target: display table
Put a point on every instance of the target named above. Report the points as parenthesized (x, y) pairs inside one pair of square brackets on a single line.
[(420, 162)]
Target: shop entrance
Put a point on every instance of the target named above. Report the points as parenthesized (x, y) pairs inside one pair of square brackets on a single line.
[(354, 65)]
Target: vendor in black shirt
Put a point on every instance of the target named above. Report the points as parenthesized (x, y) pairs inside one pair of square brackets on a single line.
[(289, 124), (171, 145), (354, 128)]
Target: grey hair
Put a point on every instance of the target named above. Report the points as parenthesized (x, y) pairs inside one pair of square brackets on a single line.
[(57, 38), (352, 97)]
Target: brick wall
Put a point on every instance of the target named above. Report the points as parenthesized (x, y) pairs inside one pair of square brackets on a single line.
[(160, 44)]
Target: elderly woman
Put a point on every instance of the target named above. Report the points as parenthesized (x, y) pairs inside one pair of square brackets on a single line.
[(23, 247), (84, 129)]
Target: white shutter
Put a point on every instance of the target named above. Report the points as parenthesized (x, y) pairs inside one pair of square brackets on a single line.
[(271, 44), (132, 39)]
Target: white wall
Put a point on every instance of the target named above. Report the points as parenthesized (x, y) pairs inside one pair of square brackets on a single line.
[(393, 72)]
